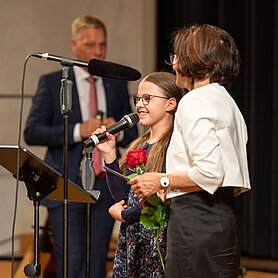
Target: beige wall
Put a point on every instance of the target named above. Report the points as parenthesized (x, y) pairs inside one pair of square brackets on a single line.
[(31, 26)]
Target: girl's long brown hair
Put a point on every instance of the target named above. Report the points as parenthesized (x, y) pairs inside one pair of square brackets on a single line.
[(167, 83)]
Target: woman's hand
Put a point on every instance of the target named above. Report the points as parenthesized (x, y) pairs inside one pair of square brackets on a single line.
[(162, 195), (116, 210), (146, 185), (107, 146)]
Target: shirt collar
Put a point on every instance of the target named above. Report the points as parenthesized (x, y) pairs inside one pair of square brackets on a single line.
[(81, 74)]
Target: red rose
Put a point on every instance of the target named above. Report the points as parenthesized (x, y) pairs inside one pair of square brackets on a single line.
[(136, 157)]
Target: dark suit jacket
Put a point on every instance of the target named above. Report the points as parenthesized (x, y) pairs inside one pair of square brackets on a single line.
[(45, 123)]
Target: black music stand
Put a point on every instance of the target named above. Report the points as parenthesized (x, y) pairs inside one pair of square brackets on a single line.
[(41, 181)]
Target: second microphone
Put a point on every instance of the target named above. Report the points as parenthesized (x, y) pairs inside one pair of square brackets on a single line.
[(128, 121)]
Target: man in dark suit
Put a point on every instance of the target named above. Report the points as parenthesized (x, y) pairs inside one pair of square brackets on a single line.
[(45, 126)]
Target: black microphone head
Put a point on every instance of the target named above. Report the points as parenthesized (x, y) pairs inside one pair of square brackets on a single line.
[(112, 70), (133, 119)]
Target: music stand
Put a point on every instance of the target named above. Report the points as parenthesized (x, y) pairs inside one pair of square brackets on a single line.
[(41, 181)]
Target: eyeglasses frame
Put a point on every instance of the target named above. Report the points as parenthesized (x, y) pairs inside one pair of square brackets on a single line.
[(136, 101), (172, 58)]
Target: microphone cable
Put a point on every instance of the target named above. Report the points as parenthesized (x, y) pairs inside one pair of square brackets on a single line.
[(18, 158)]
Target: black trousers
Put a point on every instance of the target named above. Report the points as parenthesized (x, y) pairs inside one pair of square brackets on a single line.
[(203, 236)]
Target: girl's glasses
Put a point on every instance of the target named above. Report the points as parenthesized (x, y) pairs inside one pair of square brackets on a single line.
[(145, 99)]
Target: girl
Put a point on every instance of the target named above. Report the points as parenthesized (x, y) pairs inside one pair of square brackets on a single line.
[(156, 103)]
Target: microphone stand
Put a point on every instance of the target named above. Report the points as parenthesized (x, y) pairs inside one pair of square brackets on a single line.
[(66, 109), (88, 182)]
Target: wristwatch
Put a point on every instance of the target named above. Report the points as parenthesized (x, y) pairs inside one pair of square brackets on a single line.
[(164, 181)]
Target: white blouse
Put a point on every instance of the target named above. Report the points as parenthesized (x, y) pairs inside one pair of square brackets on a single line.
[(209, 141)]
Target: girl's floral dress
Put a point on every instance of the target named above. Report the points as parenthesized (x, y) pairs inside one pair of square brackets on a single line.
[(136, 254)]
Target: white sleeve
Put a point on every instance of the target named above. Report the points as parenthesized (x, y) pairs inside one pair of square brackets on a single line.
[(199, 134)]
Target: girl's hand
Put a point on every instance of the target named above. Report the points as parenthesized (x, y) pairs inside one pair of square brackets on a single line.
[(107, 146), (116, 210)]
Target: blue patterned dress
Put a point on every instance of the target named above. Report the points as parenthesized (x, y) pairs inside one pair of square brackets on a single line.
[(137, 254)]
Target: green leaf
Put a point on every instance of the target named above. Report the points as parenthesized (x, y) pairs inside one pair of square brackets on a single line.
[(146, 220), (131, 176), (158, 214), (162, 214), (148, 210), (162, 223), (154, 200), (140, 169)]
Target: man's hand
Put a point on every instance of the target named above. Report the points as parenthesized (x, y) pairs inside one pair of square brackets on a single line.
[(116, 210), (86, 128), (146, 185), (108, 122)]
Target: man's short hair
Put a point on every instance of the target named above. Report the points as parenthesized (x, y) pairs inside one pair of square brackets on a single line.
[(86, 22)]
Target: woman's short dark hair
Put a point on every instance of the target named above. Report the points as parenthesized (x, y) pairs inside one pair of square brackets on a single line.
[(206, 51)]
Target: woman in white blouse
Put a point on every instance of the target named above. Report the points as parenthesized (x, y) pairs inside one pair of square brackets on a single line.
[(206, 160)]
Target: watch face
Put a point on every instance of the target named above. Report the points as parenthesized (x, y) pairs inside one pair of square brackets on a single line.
[(164, 181)]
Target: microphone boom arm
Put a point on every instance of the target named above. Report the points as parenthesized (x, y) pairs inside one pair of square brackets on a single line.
[(95, 67)]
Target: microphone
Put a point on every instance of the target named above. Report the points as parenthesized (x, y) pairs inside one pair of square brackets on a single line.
[(88, 173), (127, 121), (95, 67), (112, 70)]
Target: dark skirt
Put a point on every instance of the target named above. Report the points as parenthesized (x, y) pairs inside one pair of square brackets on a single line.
[(203, 236)]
